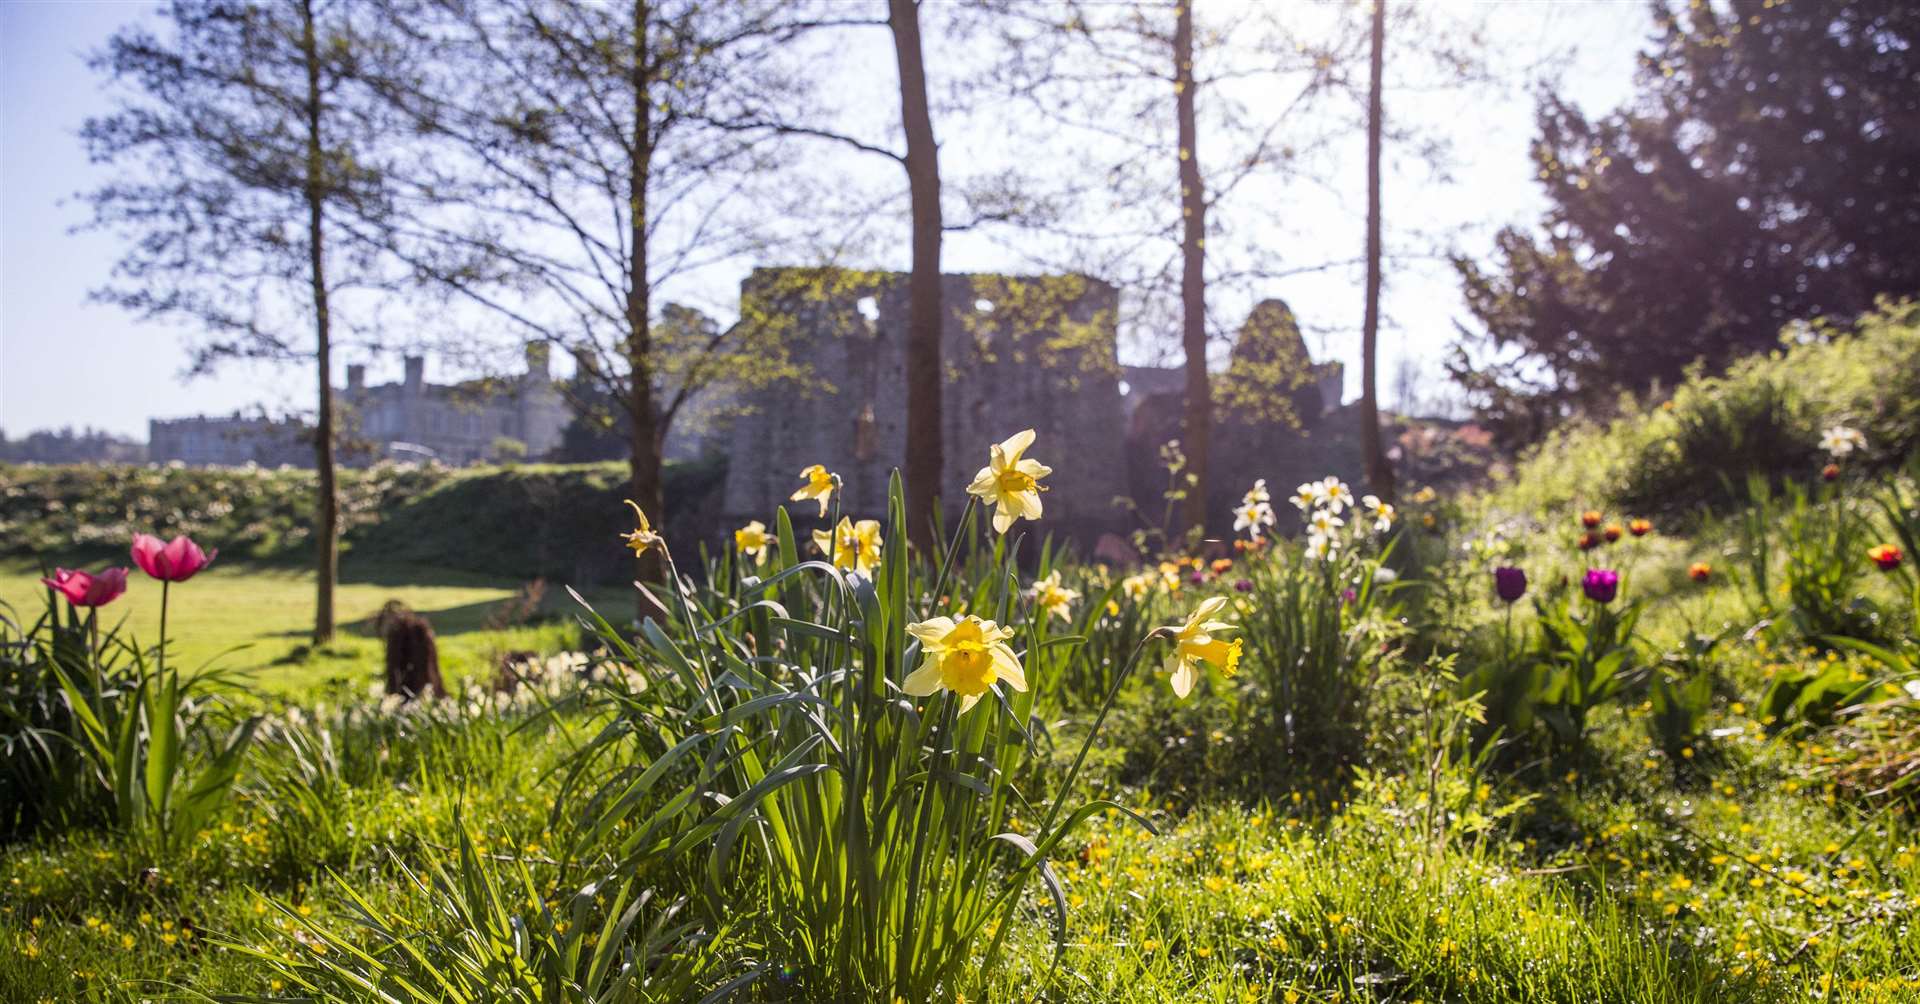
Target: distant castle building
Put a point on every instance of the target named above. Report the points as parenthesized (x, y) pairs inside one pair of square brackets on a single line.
[(1019, 352), (205, 441), (461, 423), (456, 424)]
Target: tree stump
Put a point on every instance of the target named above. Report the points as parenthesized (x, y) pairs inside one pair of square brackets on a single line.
[(413, 658)]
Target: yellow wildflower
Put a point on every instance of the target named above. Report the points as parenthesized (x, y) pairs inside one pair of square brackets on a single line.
[(1194, 643), (752, 540), (643, 536), (819, 487), (853, 547), (1011, 482), (964, 656)]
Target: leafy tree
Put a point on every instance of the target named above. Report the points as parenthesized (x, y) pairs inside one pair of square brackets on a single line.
[(1766, 172), (245, 166)]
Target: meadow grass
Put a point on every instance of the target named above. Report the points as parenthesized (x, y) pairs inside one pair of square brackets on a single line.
[(1733, 866), (258, 619)]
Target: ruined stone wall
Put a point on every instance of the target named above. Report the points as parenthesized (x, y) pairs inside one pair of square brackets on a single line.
[(1019, 352)]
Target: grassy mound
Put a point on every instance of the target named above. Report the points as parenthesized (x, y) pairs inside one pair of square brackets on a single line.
[(1695, 449), (520, 522)]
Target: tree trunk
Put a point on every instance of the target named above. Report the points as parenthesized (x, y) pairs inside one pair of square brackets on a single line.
[(1379, 470), (1198, 426), (924, 460), (643, 457), (327, 504)]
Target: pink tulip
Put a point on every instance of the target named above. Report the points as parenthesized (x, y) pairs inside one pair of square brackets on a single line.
[(86, 589), (175, 561)]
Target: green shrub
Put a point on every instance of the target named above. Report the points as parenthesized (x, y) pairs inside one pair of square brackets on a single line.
[(1763, 416)]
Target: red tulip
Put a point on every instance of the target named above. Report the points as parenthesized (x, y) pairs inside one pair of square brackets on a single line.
[(86, 589), (175, 561)]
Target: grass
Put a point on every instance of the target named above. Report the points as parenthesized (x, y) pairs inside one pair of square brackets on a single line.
[(258, 618), (1735, 867)]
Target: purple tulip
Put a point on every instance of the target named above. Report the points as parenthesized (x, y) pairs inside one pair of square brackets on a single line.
[(1601, 584), (1243, 585), (1510, 583)]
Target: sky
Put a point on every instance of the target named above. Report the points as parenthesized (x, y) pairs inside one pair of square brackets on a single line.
[(67, 362)]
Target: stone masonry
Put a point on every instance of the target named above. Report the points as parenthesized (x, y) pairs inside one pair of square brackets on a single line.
[(1019, 352)]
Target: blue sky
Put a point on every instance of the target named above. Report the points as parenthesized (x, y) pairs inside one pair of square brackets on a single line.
[(64, 361)]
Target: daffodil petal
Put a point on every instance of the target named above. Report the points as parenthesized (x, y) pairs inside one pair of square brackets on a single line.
[(1007, 666), (923, 681)]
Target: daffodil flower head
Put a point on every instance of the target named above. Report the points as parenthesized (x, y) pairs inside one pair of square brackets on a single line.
[(1335, 494), (1257, 495), (1011, 481), (1194, 643), (1841, 440), (1136, 586), (1253, 517), (852, 547), (1324, 523), (1382, 512), (1053, 598), (643, 536), (752, 540), (1308, 495), (819, 487), (966, 656), (1320, 546)]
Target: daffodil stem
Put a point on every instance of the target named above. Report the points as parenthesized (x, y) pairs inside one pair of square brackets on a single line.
[(953, 548)]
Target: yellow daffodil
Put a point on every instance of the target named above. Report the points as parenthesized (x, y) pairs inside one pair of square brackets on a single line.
[(1194, 643), (965, 656), (752, 540), (852, 547), (1011, 482), (1053, 598), (643, 537), (819, 487)]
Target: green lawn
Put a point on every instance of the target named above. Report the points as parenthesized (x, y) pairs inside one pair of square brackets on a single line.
[(259, 618)]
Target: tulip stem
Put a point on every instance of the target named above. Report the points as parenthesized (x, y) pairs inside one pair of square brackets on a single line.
[(165, 586)]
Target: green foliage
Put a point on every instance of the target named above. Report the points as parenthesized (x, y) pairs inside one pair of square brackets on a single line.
[(1678, 711), (1586, 662), (888, 834), (93, 731), (491, 931), (1762, 416), (1317, 632)]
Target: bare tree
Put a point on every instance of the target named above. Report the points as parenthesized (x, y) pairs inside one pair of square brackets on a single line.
[(1379, 469), (575, 159), (1146, 85), (925, 457), (241, 120)]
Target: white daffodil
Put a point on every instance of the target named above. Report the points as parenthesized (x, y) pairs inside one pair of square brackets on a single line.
[(1382, 512), (1253, 517), (1336, 494), (1841, 440)]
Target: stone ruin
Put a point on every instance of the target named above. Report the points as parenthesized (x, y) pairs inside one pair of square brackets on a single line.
[(1020, 352)]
